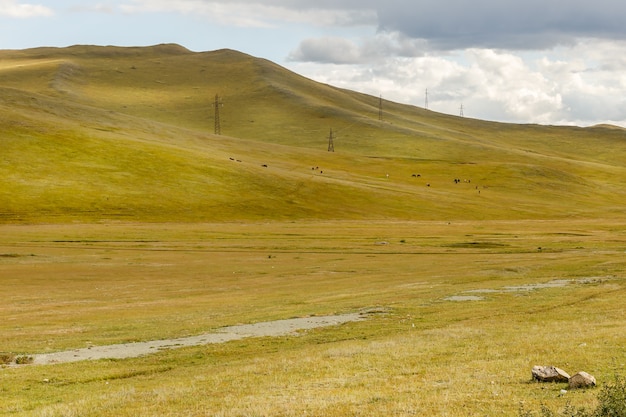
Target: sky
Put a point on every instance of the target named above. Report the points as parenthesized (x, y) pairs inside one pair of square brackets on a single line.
[(560, 62)]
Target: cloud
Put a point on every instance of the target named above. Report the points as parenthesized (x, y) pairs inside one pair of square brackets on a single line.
[(505, 79), (11, 8), (583, 84), (442, 25), (255, 13), (344, 51), (521, 25), (327, 50)]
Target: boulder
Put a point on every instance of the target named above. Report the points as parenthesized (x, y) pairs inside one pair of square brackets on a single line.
[(582, 380), (549, 374)]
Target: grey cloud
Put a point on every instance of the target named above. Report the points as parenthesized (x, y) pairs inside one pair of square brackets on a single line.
[(327, 50), (444, 24), (459, 24), (530, 24), (343, 51)]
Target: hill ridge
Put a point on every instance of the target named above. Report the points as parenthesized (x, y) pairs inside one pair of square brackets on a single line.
[(92, 133)]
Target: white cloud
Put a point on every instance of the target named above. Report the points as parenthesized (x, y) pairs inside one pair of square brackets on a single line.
[(249, 13), (505, 79), (583, 84), (11, 8)]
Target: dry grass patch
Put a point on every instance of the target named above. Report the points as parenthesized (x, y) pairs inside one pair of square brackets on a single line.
[(420, 354)]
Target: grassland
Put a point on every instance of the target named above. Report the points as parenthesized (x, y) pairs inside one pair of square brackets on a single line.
[(125, 219), (81, 285), (101, 134)]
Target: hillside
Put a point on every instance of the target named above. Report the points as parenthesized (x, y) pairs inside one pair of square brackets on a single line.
[(105, 133)]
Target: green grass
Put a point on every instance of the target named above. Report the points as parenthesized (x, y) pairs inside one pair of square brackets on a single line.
[(123, 218)]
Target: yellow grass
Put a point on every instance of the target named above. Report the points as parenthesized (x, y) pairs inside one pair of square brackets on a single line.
[(75, 286), (123, 218), (101, 134)]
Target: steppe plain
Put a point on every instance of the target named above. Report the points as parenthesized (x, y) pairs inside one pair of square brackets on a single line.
[(471, 250)]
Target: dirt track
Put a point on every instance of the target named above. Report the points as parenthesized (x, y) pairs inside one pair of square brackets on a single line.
[(226, 334)]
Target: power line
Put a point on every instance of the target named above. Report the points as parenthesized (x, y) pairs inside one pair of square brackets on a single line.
[(217, 105), (331, 144)]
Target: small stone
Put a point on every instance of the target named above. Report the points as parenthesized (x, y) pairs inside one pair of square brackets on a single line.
[(582, 380)]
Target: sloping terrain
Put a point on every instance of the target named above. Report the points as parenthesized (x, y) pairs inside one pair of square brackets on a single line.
[(105, 133)]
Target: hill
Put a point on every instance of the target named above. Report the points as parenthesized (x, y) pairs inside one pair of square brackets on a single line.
[(94, 133)]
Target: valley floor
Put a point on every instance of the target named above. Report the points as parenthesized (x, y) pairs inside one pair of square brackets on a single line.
[(463, 311)]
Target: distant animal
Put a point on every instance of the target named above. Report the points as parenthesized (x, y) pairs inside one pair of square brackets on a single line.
[(264, 165)]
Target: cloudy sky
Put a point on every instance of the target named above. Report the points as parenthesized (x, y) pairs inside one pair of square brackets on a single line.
[(523, 61)]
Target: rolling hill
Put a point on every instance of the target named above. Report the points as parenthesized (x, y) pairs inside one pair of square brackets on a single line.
[(91, 133)]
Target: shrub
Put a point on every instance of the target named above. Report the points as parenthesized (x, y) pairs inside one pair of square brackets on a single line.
[(6, 358), (611, 403), (612, 399), (24, 360)]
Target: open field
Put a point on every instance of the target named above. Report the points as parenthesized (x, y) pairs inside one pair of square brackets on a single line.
[(476, 249), (74, 286)]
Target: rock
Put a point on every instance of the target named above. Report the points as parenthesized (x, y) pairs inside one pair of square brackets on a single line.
[(549, 374), (582, 380)]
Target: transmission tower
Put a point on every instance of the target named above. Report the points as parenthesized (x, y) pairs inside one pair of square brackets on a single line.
[(426, 100), (331, 144), (380, 108), (217, 105), (461, 111)]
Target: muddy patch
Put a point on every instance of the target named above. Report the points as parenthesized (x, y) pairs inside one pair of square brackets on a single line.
[(226, 334), (555, 283), (464, 298)]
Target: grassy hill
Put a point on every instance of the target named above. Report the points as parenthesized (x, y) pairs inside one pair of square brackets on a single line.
[(104, 133)]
